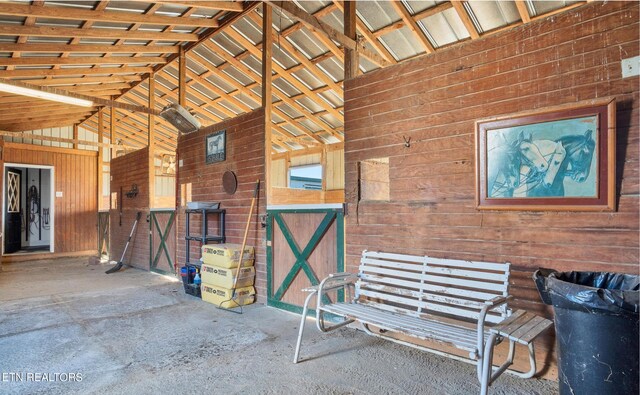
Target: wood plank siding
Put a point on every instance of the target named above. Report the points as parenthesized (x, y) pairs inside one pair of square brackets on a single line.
[(435, 100), (75, 173), (132, 168), (245, 149)]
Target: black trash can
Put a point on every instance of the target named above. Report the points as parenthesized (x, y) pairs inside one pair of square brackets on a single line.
[(596, 320)]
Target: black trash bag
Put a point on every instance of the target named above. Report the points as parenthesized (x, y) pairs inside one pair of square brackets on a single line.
[(597, 330), (595, 291)]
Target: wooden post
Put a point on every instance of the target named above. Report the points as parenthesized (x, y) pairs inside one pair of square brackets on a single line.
[(100, 158), (112, 131), (350, 55), (267, 45), (151, 142), (182, 78), (75, 136)]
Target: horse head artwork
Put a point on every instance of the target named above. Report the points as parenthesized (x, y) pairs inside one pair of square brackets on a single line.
[(507, 161), (576, 164)]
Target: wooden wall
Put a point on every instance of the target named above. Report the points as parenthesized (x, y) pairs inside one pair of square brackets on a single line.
[(76, 177), (436, 99), (132, 168), (245, 157)]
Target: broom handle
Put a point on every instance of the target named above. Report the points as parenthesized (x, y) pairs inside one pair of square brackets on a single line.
[(246, 232)]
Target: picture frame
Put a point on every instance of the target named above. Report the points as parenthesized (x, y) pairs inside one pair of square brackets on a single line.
[(553, 159), (215, 147)]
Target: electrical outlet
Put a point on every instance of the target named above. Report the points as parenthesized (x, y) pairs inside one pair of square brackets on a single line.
[(631, 67)]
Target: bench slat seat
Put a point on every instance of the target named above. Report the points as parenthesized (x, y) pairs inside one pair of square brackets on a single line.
[(461, 337), (452, 302)]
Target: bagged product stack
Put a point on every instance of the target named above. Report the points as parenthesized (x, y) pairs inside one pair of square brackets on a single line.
[(220, 266)]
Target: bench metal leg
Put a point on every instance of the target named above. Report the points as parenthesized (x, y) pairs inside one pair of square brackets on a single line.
[(489, 373), (303, 320), (532, 363)]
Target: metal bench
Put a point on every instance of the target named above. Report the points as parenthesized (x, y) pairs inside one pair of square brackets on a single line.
[(453, 302)]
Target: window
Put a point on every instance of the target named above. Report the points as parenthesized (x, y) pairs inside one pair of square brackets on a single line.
[(306, 177)]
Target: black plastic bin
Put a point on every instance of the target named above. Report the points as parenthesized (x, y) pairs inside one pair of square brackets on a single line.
[(596, 320)]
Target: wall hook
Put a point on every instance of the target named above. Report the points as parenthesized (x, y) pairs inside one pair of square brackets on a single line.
[(407, 141)]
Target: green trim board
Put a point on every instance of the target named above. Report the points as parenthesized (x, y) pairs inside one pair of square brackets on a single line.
[(162, 247), (274, 218)]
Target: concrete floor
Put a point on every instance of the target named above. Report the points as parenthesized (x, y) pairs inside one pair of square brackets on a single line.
[(137, 332)]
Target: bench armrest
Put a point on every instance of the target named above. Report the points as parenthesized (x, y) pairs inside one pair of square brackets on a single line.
[(497, 301), (335, 281), (488, 305)]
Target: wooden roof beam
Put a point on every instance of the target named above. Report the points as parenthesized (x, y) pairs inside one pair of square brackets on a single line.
[(79, 60), (67, 13), (98, 87), (208, 5), (86, 80), (287, 76), (164, 127), (75, 71), (466, 20), (228, 20), (136, 124), (96, 101), (522, 10), (302, 59), (279, 94), (257, 99), (32, 136), (49, 31), (436, 9), (413, 26), (135, 138), (29, 21), (315, 24), (86, 48), (42, 113), (368, 35), (31, 125)]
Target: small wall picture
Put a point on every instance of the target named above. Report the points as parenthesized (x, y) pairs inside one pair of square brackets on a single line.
[(561, 158), (215, 147)]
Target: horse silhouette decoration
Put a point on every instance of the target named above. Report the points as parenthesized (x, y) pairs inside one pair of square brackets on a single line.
[(576, 164), (508, 159)]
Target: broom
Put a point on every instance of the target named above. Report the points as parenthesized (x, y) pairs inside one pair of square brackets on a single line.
[(244, 243)]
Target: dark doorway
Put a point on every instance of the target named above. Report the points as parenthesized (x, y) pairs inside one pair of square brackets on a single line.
[(12, 218)]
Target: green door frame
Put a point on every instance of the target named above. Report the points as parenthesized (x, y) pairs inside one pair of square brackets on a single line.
[(154, 259), (301, 255)]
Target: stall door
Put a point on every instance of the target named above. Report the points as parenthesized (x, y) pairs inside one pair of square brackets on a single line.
[(162, 241), (12, 219), (305, 246)]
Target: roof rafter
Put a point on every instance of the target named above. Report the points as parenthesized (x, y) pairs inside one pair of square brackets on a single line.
[(48, 31), (315, 24), (413, 26), (74, 13), (466, 20)]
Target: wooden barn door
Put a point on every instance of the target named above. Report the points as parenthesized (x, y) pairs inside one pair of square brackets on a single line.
[(305, 245), (162, 241)]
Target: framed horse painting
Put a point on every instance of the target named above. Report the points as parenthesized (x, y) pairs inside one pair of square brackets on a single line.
[(560, 158)]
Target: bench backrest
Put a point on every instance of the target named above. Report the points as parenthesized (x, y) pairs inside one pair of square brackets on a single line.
[(418, 285)]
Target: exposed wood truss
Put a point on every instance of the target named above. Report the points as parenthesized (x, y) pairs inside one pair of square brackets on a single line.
[(207, 55)]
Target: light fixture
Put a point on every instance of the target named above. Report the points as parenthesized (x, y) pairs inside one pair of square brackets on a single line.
[(40, 94)]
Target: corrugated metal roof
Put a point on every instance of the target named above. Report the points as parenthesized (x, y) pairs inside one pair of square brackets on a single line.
[(224, 76)]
